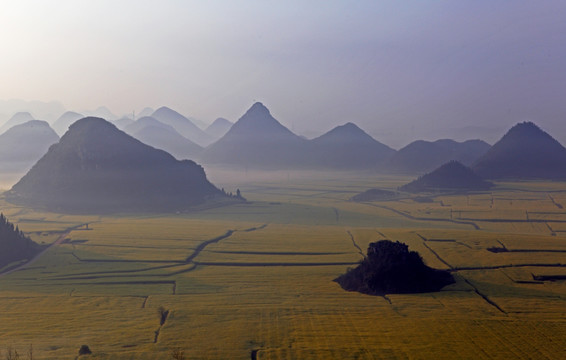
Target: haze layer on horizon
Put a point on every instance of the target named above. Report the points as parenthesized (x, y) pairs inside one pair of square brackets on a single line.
[(400, 70)]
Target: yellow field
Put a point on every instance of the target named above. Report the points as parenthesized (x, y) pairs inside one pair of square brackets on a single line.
[(255, 280)]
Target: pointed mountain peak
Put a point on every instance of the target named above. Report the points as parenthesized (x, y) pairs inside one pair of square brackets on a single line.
[(527, 129), (259, 119), (349, 132), (164, 110), (258, 108), (524, 152), (349, 128)]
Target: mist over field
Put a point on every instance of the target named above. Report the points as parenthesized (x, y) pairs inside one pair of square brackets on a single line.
[(282, 180)]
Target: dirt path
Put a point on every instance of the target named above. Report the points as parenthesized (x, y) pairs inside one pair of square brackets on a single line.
[(59, 240), (411, 217)]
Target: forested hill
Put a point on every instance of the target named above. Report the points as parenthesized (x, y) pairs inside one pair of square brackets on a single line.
[(14, 245)]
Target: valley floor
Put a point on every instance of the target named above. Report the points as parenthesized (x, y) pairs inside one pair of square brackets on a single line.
[(255, 280)]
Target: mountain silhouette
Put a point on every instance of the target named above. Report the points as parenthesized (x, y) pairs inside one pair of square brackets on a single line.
[(101, 112), (423, 156), (347, 147), (64, 121), (257, 140), (147, 111), (22, 145), (183, 125), (161, 136), (524, 152), (218, 128), (16, 119), (123, 122), (96, 168), (450, 176)]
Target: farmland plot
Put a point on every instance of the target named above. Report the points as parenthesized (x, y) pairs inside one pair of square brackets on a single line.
[(256, 279)]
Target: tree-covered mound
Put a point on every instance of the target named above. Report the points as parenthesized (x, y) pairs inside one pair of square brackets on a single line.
[(14, 245), (390, 268), (375, 195), (450, 176)]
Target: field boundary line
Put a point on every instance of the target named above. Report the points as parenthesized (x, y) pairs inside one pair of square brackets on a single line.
[(418, 218)]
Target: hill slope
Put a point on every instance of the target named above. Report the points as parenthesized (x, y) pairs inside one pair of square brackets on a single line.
[(257, 140), (347, 147), (183, 125), (22, 145), (525, 152), (96, 168), (452, 175), (422, 156)]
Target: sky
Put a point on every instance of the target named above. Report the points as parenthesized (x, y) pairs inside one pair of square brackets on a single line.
[(401, 70)]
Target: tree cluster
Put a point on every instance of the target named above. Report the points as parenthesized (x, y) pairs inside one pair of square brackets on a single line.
[(14, 244), (390, 268)]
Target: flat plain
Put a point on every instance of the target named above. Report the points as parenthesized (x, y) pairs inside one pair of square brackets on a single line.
[(255, 280)]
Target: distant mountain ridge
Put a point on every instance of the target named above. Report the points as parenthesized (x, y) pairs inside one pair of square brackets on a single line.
[(96, 168), (64, 121), (161, 136), (218, 128), (183, 125), (524, 152), (22, 145), (16, 119), (348, 147), (258, 140), (423, 156)]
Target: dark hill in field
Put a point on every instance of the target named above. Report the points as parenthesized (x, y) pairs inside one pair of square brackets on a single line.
[(375, 195), (390, 268), (64, 121), (450, 176), (16, 119), (347, 147), (422, 156), (183, 125), (22, 145), (14, 245), (161, 136), (525, 152), (257, 140), (96, 168), (218, 128)]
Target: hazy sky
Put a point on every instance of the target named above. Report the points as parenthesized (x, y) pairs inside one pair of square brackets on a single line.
[(396, 68)]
